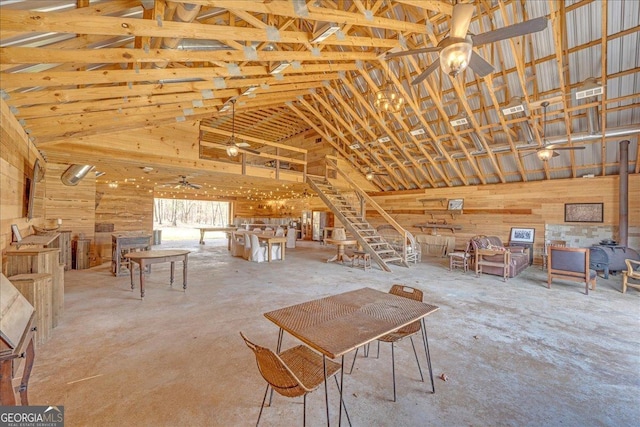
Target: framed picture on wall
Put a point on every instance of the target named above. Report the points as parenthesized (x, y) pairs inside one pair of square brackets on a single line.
[(522, 235), (583, 212)]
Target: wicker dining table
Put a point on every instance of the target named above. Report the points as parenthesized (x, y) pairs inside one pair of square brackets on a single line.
[(338, 324)]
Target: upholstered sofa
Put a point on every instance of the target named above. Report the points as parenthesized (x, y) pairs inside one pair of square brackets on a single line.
[(490, 251)]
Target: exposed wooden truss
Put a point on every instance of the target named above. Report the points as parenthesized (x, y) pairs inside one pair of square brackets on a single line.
[(95, 69)]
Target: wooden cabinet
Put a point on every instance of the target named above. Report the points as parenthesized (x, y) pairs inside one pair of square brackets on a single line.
[(63, 242), (41, 260), (37, 289), (81, 249)]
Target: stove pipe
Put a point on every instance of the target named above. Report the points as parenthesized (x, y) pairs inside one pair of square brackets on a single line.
[(623, 222)]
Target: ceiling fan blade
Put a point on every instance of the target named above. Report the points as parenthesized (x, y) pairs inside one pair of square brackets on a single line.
[(580, 147), (194, 186), (479, 65), (430, 69), (515, 30), (249, 150), (462, 13), (412, 52)]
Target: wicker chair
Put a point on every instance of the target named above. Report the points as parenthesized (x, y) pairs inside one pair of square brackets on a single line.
[(292, 373), (632, 272), (406, 331)]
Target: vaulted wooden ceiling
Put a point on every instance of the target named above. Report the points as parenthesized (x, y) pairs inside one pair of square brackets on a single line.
[(73, 69)]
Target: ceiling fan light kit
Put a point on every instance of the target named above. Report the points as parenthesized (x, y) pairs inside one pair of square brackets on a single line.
[(545, 154), (232, 151), (455, 56)]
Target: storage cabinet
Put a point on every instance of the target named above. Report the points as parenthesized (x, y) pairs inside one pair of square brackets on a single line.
[(41, 260), (37, 289)]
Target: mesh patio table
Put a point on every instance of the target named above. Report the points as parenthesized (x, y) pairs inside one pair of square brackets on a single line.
[(338, 324)]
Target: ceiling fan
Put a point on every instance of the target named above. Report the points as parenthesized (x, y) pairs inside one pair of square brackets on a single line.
[(371, 172), (183, 183), (233, 146), (456, 50), (547, 151)]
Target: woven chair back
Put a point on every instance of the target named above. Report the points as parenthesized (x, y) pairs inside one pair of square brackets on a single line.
[(274, 371), (411, 293)]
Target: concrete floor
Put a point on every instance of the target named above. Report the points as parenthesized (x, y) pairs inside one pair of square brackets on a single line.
[(514, 353)]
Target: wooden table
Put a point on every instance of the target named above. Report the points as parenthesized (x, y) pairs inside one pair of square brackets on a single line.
[(269, 239), (223, 229), (278, 240), (340, 255), (146, 258), (338, 324), (126, 241)]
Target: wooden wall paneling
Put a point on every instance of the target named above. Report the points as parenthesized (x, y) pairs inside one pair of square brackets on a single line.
[(75, 205), (17, 157), (483, 204)]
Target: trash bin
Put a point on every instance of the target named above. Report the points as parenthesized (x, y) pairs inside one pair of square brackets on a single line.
[(157, 237)]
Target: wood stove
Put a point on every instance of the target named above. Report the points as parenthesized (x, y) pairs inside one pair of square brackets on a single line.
[(610, 258)]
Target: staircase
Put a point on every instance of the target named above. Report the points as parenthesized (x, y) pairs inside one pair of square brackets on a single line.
[(352, 218)]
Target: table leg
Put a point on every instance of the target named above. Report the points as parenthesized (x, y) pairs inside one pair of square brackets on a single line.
[(282, 246), (131, 273), (141, 265), (184, 274), (341, 385), (326, 392), (425, 343), (173, 269), (201, 237), (269, 246)]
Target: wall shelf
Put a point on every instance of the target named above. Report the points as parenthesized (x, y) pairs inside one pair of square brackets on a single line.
[(440, 200)]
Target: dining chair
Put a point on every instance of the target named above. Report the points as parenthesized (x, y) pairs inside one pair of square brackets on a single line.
[(294, 372), (460, 258), (237, 244), (258, 252), (407, 331), (279, 232), (246, 254)]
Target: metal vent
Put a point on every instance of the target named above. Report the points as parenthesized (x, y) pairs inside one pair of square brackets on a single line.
[(589, 92), (459, 122), (513, 110), (417, 132)]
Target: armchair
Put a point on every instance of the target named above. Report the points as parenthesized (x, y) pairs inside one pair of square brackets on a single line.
[(632, 272), (570, 264)]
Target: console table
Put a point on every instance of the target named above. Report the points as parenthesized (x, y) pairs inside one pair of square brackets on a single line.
[(123, 243)]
